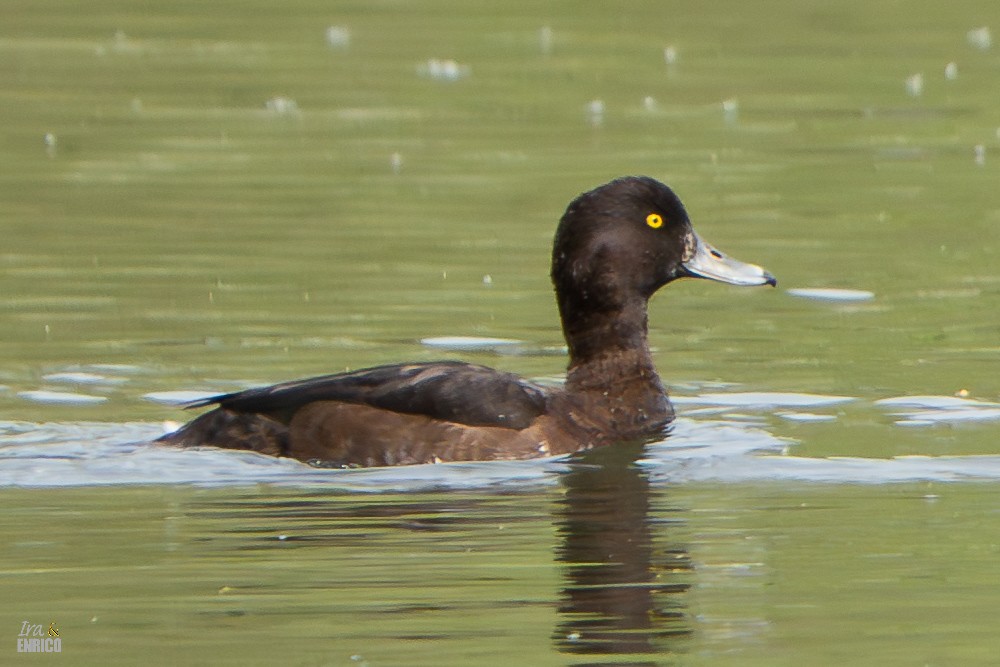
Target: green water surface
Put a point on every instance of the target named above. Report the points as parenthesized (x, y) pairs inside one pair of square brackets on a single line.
[(209, 195)]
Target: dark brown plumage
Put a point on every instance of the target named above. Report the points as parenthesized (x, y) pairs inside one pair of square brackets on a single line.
[(614, 248)]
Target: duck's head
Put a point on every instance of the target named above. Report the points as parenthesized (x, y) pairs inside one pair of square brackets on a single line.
[(619, 243)]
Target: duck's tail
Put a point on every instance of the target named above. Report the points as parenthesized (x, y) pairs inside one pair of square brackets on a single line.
[(232, 430)]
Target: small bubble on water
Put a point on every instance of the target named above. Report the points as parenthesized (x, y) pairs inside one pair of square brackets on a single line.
[(282, 106), (545, 40), (730, 110), (338, 36), (595, 111), (980, 38), (979, 151), (50, 144), (443, 70)]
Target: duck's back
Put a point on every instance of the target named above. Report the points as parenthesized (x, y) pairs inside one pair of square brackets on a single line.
[(398, 397)]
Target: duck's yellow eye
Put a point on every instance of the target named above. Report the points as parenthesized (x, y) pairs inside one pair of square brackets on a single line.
[(654, 220)]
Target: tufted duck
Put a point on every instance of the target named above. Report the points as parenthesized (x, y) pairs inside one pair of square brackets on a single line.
[(614, 248)]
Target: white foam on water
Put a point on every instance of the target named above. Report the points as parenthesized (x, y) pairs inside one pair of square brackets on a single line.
[(953, 416), (60, 397), (806, 417), (935, 402), (81, 377), (468, 342), (932, 410), (831, 294), (762, 400)]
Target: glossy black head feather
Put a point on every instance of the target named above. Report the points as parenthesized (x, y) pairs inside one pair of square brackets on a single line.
[(605, 237)]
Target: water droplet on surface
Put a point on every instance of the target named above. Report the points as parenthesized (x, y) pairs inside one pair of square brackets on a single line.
[(730, 110), (282, 106), (545, 40), (443, 70), (915, 85), (338, 36), (980, 38), (595, 112)]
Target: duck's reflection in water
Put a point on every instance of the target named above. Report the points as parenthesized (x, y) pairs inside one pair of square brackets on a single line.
[(623, 591)]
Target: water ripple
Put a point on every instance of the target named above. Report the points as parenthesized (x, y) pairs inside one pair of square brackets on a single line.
[(717, 450)]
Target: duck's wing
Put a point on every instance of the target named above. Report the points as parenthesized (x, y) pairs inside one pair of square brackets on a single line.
[(449, 390)]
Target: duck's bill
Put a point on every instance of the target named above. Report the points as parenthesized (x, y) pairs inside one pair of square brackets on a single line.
[(707, 262)]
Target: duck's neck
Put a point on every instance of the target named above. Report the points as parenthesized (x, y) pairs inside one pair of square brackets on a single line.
[(609, 350), (611, 376)]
